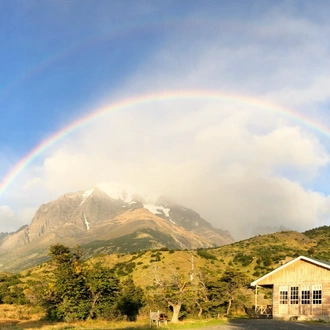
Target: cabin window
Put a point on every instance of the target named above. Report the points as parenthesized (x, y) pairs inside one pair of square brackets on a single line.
[(305, 295), (283, 295), (317, 294), (294, 295)]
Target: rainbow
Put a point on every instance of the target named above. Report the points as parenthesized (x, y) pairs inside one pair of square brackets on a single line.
[(148, 99)]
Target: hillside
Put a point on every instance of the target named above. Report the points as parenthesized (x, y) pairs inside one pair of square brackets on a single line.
[(254, 257)]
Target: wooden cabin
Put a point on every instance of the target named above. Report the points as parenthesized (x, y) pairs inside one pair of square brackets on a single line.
[(301, 290)]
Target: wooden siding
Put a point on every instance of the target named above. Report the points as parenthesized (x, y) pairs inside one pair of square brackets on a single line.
[(309, 310), (299, 272)]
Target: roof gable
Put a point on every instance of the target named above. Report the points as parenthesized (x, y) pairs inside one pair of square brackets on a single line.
[(316, 262)]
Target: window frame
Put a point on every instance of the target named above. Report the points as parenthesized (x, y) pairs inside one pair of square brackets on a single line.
[(283, 295), (294, 295), (317, 294), (305, 295)]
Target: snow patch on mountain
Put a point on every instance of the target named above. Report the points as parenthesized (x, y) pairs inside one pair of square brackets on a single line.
[(117, 190), (86, 222), (86, 194), (156, 209)]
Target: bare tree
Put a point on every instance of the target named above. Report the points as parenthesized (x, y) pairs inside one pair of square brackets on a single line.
[(175, 289)]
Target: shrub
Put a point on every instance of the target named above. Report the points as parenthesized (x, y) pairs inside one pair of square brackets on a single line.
[(206, 255)]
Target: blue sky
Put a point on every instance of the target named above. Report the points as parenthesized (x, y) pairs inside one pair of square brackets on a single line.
[(61, 60)]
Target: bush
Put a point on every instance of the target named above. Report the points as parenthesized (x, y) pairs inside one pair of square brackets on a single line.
[(206, 255), (243, 259)]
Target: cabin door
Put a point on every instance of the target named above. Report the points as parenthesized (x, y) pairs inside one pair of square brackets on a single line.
[(283, 309), (283, 303), (305, 302)]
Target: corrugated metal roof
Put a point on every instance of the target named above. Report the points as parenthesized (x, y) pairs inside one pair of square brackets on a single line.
[(321, 263)]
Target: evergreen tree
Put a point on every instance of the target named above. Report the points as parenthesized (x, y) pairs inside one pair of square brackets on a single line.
[(232, 283), (68, 296), (209, 298), (105, 291), (131, 300)]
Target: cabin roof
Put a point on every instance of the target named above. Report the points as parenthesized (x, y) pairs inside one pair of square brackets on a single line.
[(322, 263)]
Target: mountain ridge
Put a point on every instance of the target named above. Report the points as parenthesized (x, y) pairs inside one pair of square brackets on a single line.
[(106, 213)]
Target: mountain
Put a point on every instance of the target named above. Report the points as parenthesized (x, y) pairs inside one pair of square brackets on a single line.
[(106, 219)]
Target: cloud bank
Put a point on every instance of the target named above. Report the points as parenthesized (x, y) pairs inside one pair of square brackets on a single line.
[(236, 177)]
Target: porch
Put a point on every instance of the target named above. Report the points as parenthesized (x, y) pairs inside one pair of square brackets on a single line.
[(263, 311)]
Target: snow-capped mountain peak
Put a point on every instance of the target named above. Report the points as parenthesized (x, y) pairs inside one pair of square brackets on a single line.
[(127, 194), (116, 190)]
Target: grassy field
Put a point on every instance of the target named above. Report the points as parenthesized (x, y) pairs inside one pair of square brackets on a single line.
[(17, 318)]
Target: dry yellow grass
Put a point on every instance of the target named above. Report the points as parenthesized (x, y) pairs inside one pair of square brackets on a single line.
[(12, 315), (32, 324)]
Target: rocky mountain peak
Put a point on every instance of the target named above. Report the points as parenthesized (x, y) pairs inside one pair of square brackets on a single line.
[(114, 213)]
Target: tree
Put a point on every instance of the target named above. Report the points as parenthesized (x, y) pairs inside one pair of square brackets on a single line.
[(174, 289), (206, 292), (217, 295), (104, 288), (77, 290), (11, 290), (231, 284), (68, 297), (131, 300)]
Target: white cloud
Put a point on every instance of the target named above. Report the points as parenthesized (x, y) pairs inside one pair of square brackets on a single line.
[(32, 183), (241, 199), (5, 210), (289, 146), (9, 219), (218, 164)]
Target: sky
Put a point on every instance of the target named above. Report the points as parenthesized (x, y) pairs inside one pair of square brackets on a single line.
[(222, 105)]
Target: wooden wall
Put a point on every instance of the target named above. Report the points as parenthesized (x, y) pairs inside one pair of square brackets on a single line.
[(309, 311), (300, 273)]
